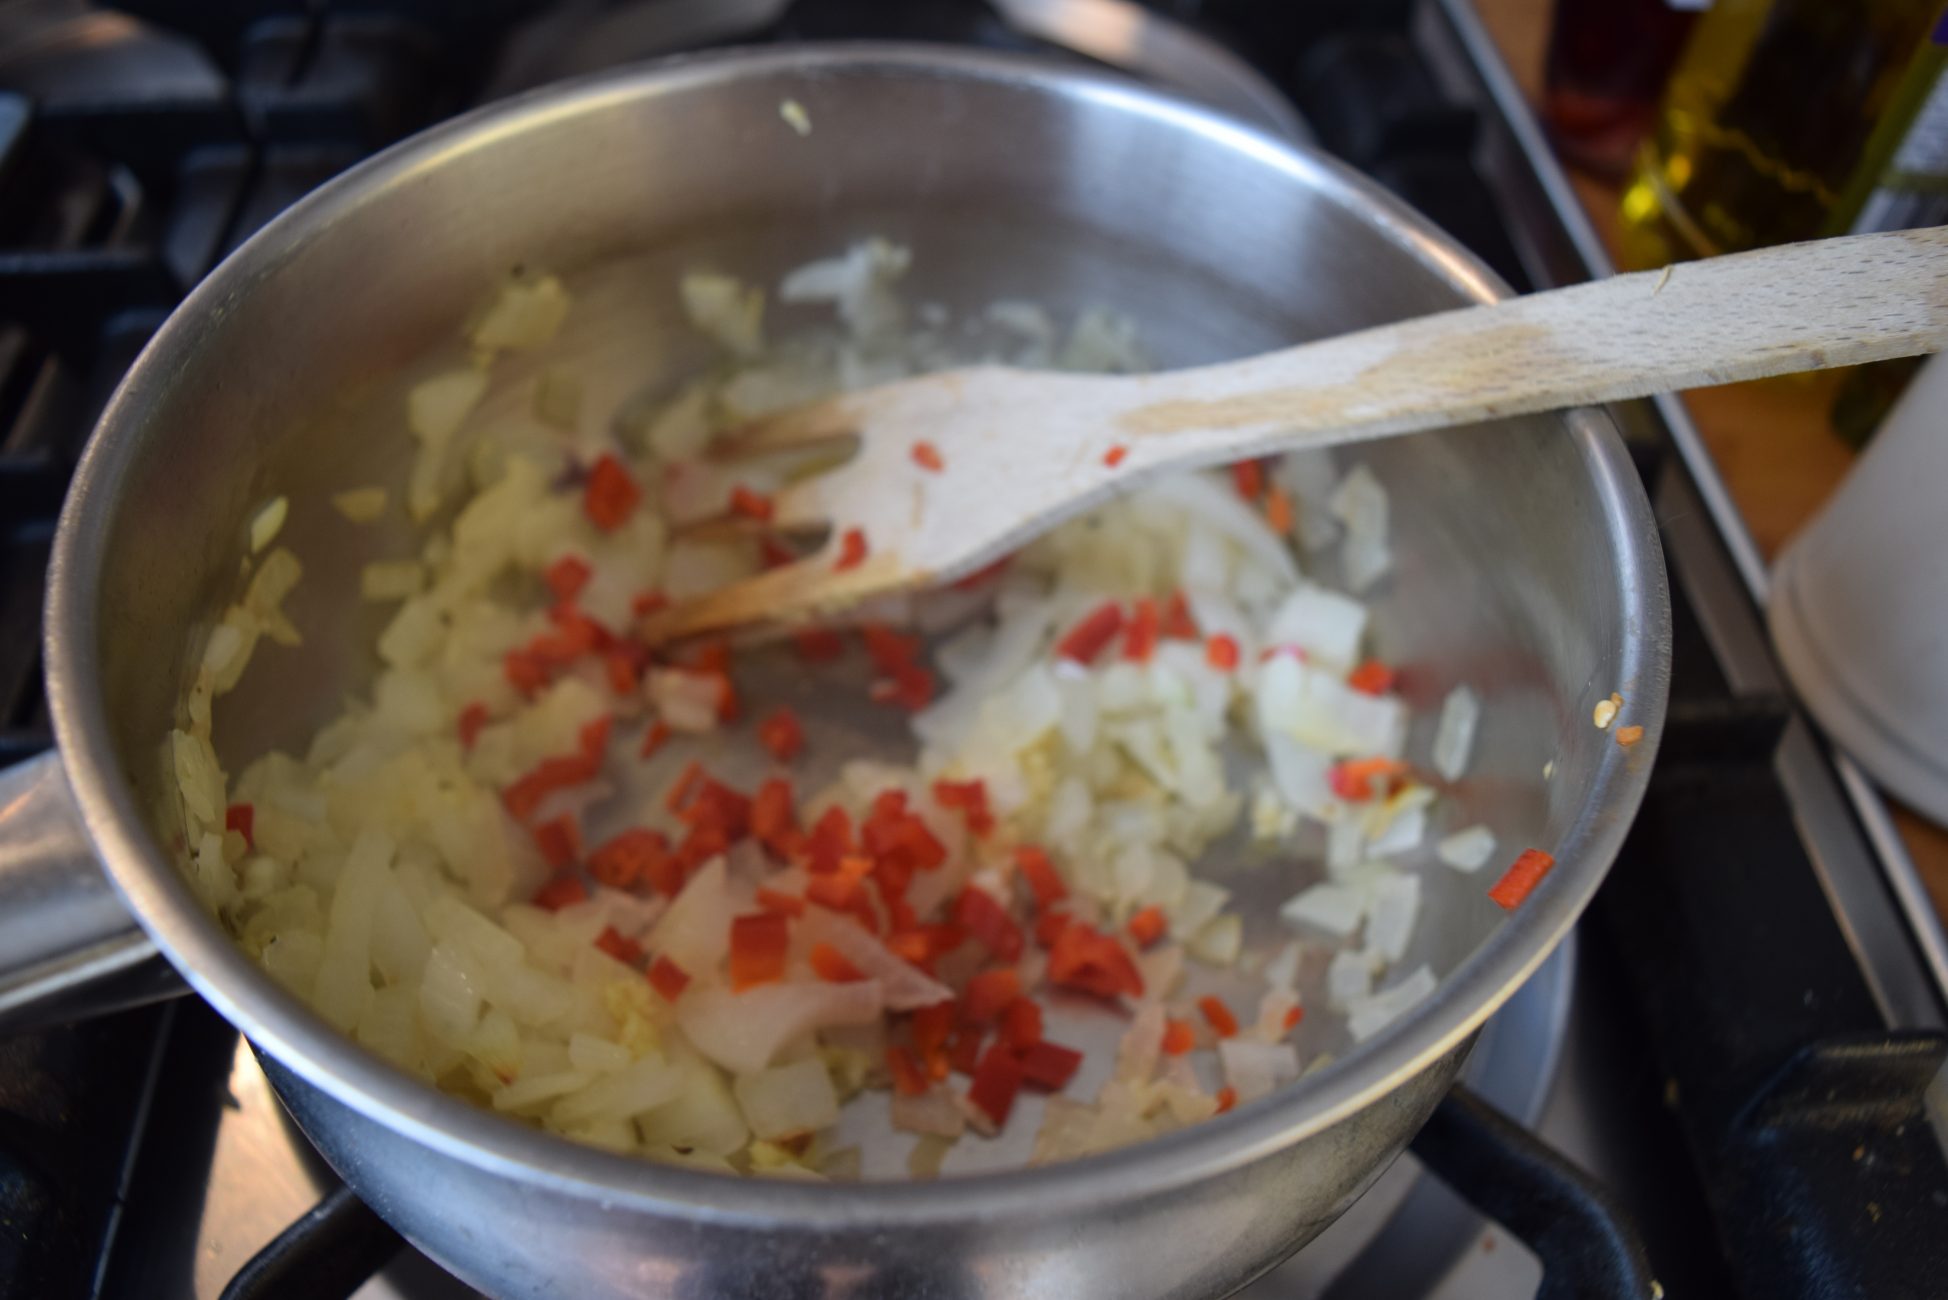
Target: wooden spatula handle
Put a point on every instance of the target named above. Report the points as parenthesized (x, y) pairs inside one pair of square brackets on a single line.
[(1831, 302)]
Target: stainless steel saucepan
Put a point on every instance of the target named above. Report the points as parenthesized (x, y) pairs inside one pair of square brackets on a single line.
[(1527, 566)]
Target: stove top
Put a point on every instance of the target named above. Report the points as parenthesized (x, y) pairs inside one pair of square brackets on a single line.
[(1739, 1042)]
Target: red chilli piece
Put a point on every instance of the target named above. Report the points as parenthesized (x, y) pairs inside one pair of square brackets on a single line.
[(560, 841), (1049, 1066), (1219, 1017), (932, 1026), (1293, 1017), (1021, 1024), (1088, 961), (831, 841), (611, 494), (1359, 779), (1279, 515), (1221, 652), (471, 720), (1114, 456), (1049, 927), (1371, 678), (927, 457), (1227, 1097), (668, 978), (1248, 476), (774, 821), (852, 550), (971, 798), (1148, 925), (996, 1082), (818, 645), (1178, 625), (558, 893), (1043, 880), (977, 912), (1178, 1037), (772, 900), (645, 603), (1140, 636), (909, 1079), (619, 946), (830, 965), (758, 946), (655, 737), (1092, 635), (566, 577), (988, 993), (752, 505), (1520, 880), (964, 1050), (684, 789), (635, 855), (242, 818), (782, 735)]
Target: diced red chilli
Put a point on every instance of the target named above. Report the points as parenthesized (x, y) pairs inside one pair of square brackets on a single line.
[(242, 818), (1371, 678), (1219, 1017), (1049, 927), (685, 787), (1520, 880), (1178, 625), (759, 943), (471, 720), (655, 736), (560, 841), (782, 735), (619, 946), (610, 495), (996, 1082), (1043, 880), (932, 1026), (772, 900), (988, 992), (909, 1079), (971, 798), (1049, 1066), (620, 862), (558, 893), (817, 645), (1088, 961), (927, 457), (1020, 1025), (964, 1052), (567, 576), (752, 505), (1227, 1097), (1140, 636), (830, 965), (852, 549), (976, 911), (1293, 1017), (831, 840), (1221, 652), (647, 602), (1088, 638), (1178, 1037), (1360, 779), (1114, 456), (1148, 925), (1279, 515), (1248, 476), (668, 978)]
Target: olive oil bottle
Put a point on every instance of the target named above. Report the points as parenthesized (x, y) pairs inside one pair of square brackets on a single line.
[(1763, 123)]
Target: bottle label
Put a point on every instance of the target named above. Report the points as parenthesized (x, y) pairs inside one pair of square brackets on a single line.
[(1913, 190)]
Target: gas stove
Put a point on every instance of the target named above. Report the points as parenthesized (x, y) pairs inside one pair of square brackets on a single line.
[(1735, 1066)]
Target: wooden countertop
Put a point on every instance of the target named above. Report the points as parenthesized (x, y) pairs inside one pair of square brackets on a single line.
[(1771, 440)]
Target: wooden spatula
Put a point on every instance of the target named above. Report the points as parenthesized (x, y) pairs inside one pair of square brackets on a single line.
[(955, 469)]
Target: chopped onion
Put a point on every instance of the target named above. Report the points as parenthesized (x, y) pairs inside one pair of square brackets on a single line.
[(1367, 1016), (1454, 735), (1467, 850), (788, 1100)]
